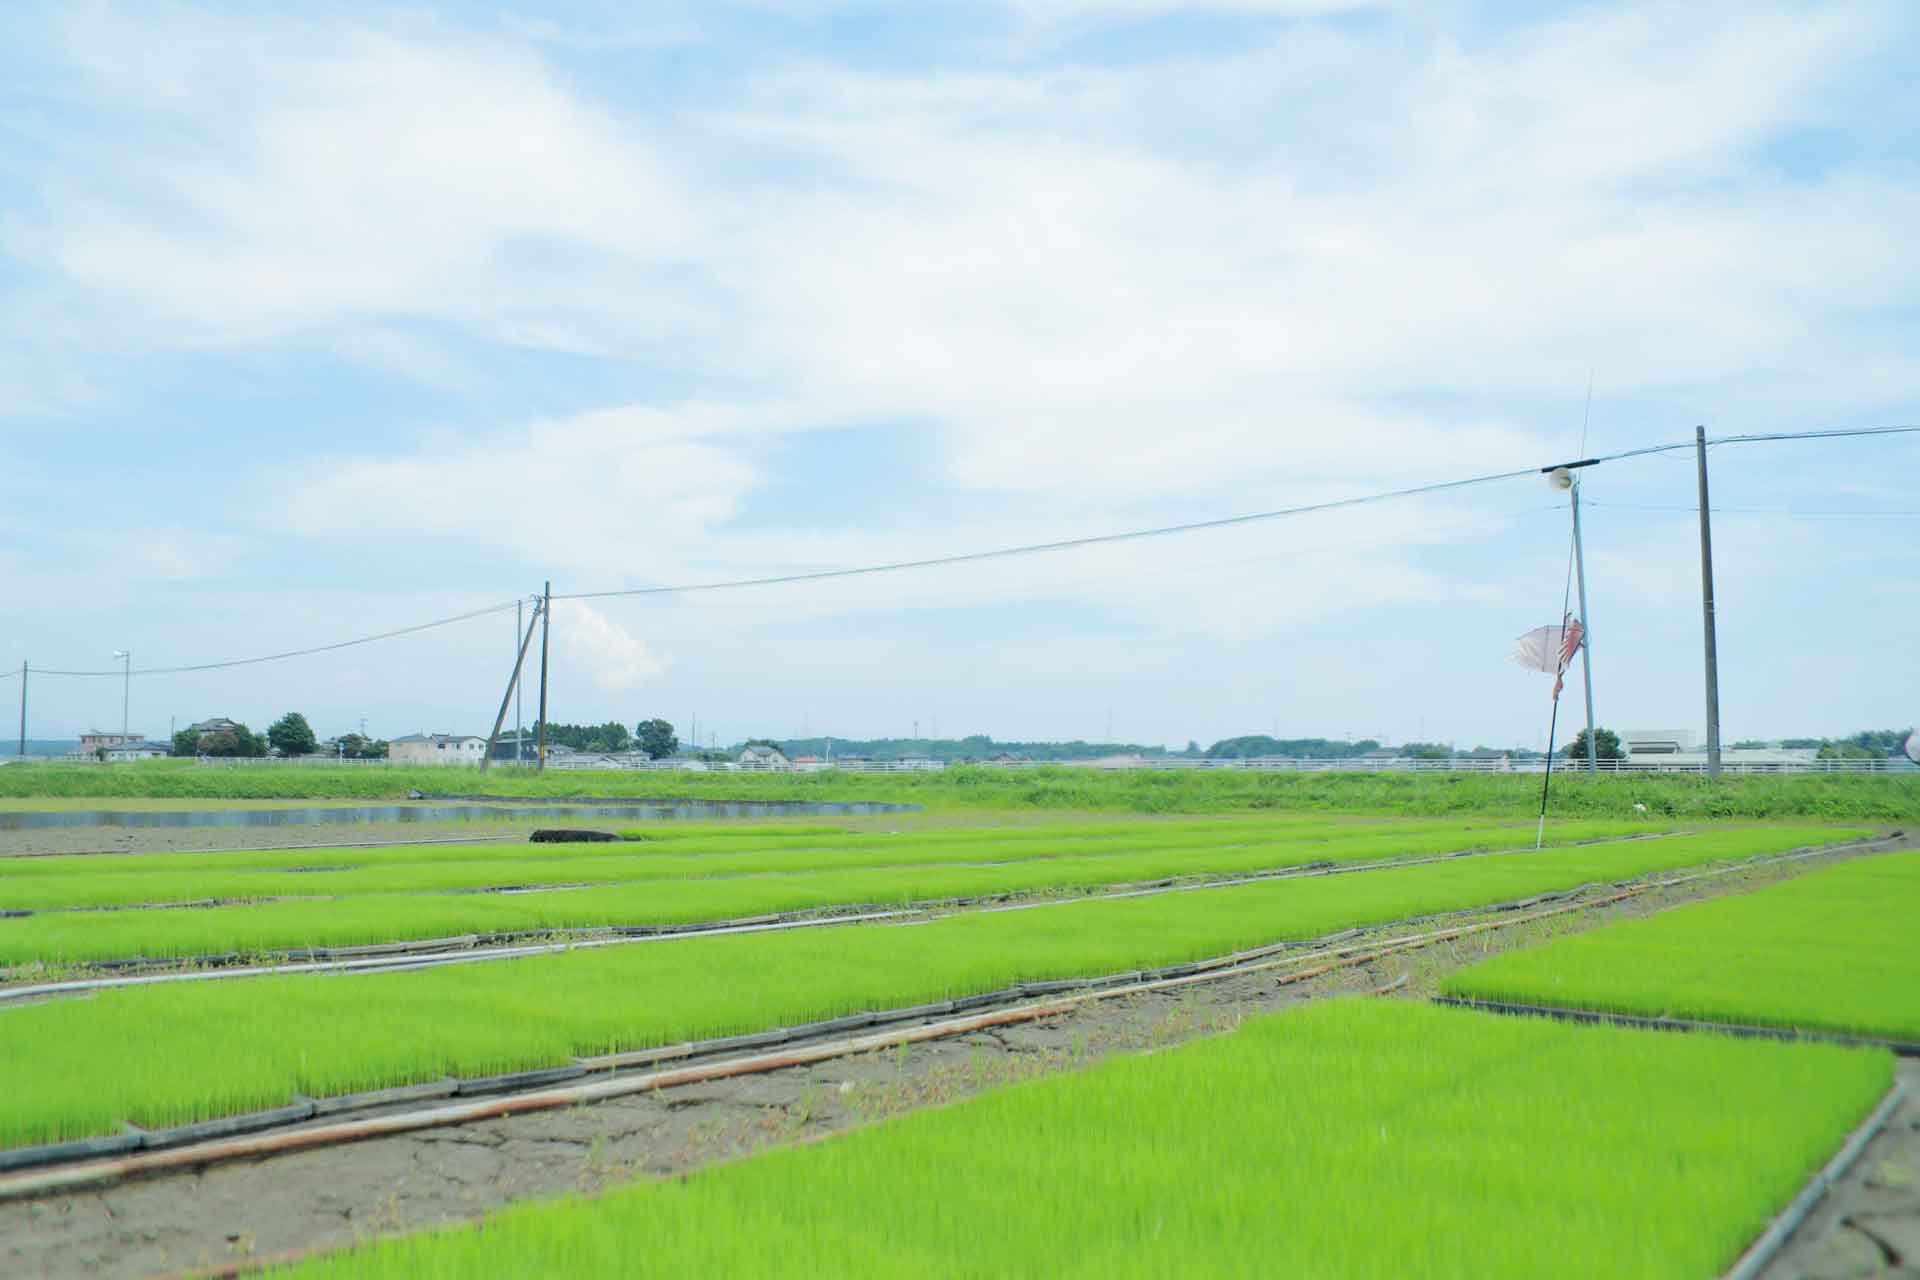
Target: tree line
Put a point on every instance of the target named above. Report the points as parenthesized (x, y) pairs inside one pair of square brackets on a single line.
[(290, 735)]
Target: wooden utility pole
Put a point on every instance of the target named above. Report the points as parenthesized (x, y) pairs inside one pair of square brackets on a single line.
[(1706, 609), (546, 627), (513, 689)]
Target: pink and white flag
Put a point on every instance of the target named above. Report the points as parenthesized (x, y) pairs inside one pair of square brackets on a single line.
[(1550, 649)]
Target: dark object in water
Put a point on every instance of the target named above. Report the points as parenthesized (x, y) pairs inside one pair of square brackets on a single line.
[(568, 835)]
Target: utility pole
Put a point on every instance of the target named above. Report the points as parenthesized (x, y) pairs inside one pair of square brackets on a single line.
[(1706, 609), (23, 706), (512, 690), (1586, 628), (126, 688), (518, 736), (546, 627)]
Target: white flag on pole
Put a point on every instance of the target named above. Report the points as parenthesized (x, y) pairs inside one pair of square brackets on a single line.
[(1549, 649)]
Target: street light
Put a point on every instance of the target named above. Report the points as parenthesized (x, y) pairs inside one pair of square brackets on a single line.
[(1564, 479), (126, 688)]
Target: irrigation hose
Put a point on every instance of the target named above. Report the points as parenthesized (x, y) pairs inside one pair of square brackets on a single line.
[(1738, 1030), (1763, 1250)]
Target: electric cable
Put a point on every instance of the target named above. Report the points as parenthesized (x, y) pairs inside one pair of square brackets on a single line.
[(999, 553), (290, 653)]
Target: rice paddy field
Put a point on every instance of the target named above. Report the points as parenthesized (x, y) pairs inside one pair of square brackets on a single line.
[(1836, 950), (1499, 1148), (1506, 1146), (270, 902), (243, 1045)]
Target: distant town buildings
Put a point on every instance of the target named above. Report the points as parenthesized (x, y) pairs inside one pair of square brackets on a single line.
[(437, 749)]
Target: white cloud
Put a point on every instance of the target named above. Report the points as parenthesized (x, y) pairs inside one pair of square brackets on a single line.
[(293, 175), (616, 660), (611, 491)]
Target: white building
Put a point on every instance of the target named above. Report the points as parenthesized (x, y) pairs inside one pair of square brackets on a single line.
[(763, 757), (96, 740), (437, 748), (1677, 749), (131, 751)]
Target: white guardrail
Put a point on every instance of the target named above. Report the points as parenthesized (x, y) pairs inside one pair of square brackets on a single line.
[(1274, 764)]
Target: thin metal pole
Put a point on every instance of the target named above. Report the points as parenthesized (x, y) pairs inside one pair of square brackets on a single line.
[(1586, 628), (126, 694), (513, 687), (23, 706), (546, 625), (1706, 609), (518, 735), (1553, 725)]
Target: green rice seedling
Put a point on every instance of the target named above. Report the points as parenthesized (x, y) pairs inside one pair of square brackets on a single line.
[(267, 927), (1837, 950), (237, 1045), (1350, 1138), (42, 884)]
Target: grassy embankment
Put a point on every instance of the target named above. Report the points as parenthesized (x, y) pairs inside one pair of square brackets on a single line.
[(1837, 950), (1836, 797), (403, 897), (230, 1047), (1349, 1138)]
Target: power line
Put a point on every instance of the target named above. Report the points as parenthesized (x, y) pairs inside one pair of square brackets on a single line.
[(290, 653), (1066, 544), (1757, 511), (1039, 548)]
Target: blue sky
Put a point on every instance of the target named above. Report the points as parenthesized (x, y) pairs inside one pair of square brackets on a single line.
[(318, 324)]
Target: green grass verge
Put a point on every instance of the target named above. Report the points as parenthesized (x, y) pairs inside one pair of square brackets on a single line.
[(1349, 1138), (1828, 797), (217, 1048), (1837, 950), (69, 937), (41, 884)]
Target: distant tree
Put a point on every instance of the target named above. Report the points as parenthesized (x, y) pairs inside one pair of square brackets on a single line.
[(354, 746), (1606, 746), (237, 741), (1259, 744), (1849, 751), (1749, 744), (656, 738), (291, 735), (611, 736), (186, 742), (1427, 751)]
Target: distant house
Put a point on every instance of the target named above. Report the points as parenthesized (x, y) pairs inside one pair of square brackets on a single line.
[(1007, 757), (764, 757), (219, 724), (437, 749), (94, 741), (130, 751)]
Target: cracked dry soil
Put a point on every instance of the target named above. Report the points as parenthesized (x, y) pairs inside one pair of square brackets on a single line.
[(235, 1214)]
